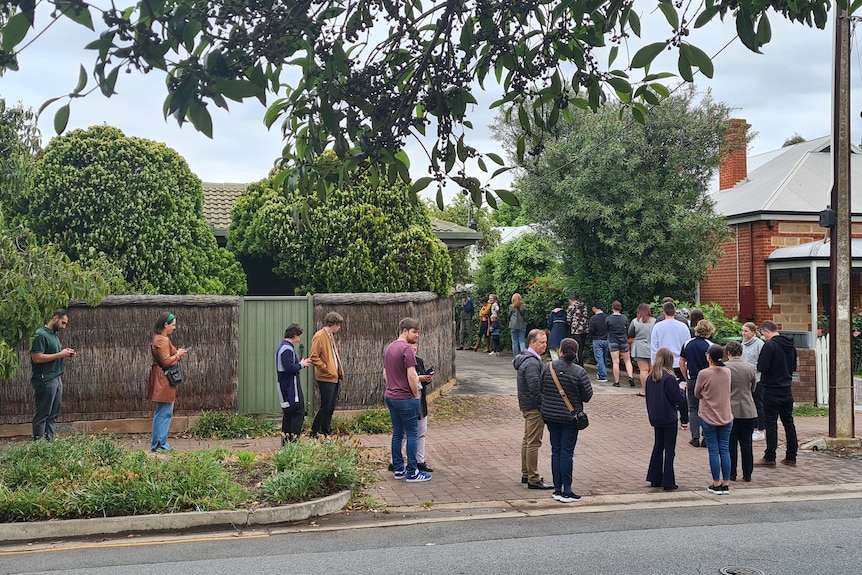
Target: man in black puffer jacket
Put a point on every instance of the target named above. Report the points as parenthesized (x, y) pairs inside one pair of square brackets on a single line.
[(529, 366)]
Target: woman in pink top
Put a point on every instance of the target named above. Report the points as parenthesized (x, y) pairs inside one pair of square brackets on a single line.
[(716, 418)]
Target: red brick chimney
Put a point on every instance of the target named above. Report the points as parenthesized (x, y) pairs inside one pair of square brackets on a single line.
[(734, 155)]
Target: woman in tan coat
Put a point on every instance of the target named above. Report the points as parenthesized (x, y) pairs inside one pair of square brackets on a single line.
[(159, 390)]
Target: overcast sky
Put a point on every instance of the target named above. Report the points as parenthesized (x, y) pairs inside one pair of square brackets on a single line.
[(784, 91)]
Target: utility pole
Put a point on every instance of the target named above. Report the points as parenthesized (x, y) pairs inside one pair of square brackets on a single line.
[(841, 408)]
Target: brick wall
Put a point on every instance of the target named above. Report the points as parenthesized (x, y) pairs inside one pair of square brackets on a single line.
[(805, 388), (734, 155), (742, 264)]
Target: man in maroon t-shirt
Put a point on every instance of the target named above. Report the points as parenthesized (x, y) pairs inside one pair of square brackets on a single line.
[(402, 398)]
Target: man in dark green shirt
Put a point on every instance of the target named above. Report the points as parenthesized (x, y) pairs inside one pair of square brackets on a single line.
[(46, 359)]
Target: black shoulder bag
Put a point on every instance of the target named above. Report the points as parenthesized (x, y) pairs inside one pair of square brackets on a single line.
[(173, 373)]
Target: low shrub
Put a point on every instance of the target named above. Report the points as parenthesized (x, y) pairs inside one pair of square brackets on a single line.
[(374, 420), (312, 468), (227, 425)]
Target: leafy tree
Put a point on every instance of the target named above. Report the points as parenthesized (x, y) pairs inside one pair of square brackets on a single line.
[(514, 265), (37, 279), (375, 72), (34, 279), (98, 193), (461, 211), (363, 238), (506, 215), (794, 139), (628, 202)]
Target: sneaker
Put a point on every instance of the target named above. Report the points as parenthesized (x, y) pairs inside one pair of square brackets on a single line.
[(418, 477), (758, 436), (569, 497), (616, 384), (556, 495), (725, 490), (602, 379), (391, 467), (714, 489), (399, 474), (790, 462), (424, 467), (694, 442)]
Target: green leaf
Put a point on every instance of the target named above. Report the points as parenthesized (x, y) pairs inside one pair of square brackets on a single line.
[(745, 29), (647, 54), (669, 14), (635, 23), (82, 80), (495, 158), (108, 83), (14, 31), (704, 17), (613, 55), (61, 119), (700, 59), (764, 30), (660, 89), (45, 104), (508, 197), (620, 85), (421, 184), (77, 12), (201, 119), (684, 63)]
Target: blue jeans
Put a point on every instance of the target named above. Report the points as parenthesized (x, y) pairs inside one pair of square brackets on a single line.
[(563, 437), (405, 422), (600, 351), (718, 443), (161, 424), (518, 342), (47, 399)]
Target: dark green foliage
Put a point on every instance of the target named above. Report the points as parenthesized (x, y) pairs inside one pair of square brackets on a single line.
[(628, 202), (229, 425), (362, 238), (513, 266), (308, 469), (98, 193), (418, 65)]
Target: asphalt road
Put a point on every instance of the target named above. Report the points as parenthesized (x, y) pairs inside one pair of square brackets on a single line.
[(789, 538)]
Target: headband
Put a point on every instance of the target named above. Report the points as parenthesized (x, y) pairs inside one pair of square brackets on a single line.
[(171, 317)]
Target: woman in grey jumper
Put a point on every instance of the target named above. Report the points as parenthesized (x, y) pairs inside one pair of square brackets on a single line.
[(751, 346)]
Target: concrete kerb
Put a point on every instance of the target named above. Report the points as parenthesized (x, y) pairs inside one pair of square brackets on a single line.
[(40, 530)]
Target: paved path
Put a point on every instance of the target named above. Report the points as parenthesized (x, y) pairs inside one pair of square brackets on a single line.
[(479, 460)]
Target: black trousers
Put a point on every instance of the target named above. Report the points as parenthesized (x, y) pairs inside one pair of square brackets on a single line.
[(740, 441), (778, 404), (581, 338), (291, 421), (660, 472), (328, 396)]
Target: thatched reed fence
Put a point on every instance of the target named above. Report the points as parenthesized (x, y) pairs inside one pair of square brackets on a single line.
[(108, 378), (371, 323)]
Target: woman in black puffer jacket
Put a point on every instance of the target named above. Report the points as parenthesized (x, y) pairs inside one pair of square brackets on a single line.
[(558, 418)]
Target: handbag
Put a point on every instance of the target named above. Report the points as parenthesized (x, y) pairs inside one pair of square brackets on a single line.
[(580, 418), (173, 373)]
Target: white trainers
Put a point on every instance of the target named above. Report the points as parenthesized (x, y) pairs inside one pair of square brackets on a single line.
[(758, 436)]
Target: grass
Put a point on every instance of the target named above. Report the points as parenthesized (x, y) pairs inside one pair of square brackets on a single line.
[(84, 476), (227, 425), (810, 411)]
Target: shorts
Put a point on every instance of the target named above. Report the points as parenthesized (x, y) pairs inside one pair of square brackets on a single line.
[(620, 347)]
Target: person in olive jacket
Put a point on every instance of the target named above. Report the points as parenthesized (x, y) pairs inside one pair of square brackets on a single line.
[(561, 427)]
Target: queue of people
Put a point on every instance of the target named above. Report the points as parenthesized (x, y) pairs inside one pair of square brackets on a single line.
[(721, 394)]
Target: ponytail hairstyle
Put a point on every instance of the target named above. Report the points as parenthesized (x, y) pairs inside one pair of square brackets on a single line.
[(569, 349), (716, 354)]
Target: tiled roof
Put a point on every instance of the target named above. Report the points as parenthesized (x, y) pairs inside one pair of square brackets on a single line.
[(219, 199), (218, 202)]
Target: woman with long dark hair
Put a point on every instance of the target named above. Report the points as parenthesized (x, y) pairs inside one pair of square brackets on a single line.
[(159, 390)]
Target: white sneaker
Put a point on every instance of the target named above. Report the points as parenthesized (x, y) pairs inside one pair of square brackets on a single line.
[(758, 436)]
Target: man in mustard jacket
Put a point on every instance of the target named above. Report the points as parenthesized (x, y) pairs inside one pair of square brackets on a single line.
[(328, 371)]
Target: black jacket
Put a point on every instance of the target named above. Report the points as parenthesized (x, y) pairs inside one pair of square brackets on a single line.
[(575, 383), (529, 380), (664, 399), (777, 362)]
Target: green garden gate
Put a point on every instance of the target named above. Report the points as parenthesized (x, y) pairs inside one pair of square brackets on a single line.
[(262, 321)]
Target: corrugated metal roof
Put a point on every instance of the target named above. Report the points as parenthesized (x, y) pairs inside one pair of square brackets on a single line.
[(818, 250), (792, 180)]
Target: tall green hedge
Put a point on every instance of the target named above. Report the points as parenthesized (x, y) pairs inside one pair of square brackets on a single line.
[(98, 193)]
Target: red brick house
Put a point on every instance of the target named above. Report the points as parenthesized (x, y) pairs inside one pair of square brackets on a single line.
[(776, 266)]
